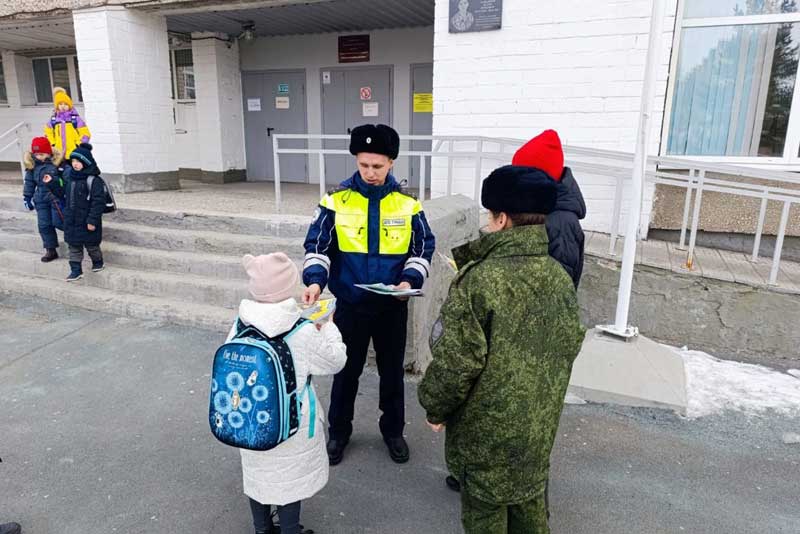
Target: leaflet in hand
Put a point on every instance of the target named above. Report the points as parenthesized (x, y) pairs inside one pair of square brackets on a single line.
[(383, 289), (320, 311)]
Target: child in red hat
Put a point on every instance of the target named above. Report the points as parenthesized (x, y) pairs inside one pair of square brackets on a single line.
[(544, 152), (41, 165)]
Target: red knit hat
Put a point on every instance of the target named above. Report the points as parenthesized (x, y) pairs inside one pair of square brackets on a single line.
[(41, 145), (543, 152)]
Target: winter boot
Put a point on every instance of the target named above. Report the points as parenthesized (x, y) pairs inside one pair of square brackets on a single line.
[(98, 266), (10, 528), (49, 255), (75, 271)]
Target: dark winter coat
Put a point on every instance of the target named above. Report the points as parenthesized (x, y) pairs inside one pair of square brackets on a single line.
[(83, 208), (35, 171), (564, 227), (503, 349)]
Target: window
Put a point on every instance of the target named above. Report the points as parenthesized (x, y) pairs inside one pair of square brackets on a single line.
[(182, 66), (735, 79), (3, 93), (52, 72)]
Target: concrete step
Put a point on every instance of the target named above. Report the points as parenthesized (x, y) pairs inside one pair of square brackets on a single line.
[(273, 225), (174, 311), (171, 239), (185, 287)]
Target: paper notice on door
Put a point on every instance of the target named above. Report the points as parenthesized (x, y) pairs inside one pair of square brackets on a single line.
[(253, 104), (370, 109), (281, 102), (423, 102)]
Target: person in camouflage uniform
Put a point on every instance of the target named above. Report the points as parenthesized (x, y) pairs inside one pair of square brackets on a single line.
[(503, 349)]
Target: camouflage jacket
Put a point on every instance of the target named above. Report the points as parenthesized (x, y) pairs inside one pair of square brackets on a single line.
[(503, 349)]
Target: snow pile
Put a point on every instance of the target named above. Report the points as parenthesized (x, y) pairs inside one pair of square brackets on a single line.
[(714, 386)]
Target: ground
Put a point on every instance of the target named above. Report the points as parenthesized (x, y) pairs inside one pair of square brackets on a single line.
[(104, 430)]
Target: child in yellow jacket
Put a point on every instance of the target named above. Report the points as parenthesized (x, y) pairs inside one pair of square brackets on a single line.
[(66, 129)]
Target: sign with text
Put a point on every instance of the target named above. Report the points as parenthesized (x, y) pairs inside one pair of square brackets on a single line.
[(353, 48), (475, 15), (423, 102)]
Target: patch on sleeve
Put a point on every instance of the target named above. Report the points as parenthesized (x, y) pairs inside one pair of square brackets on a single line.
[(317, 213), (436, 332)]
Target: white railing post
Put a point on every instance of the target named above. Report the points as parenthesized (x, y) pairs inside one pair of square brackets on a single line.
[(687, 204), (479, 172), (277, 166), (776, 256), (322, 188), (762, 215), (423, 177), (698, 199), (615, 216)]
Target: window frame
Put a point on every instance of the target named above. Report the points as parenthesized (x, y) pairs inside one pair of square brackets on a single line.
[(74, 81), (174, 76), (791, 158)]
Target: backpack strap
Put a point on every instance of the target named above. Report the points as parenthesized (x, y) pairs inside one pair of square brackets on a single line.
[(89, 182), (73, 118)]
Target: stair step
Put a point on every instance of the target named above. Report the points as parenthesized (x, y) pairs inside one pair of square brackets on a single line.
[(172, 239), (274, 225), (191, 288), (132, 305)]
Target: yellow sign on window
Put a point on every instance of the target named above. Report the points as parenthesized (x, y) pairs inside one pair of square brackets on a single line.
[(423, 102)]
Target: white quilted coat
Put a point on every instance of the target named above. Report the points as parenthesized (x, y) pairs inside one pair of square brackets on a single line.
[(297, 468)]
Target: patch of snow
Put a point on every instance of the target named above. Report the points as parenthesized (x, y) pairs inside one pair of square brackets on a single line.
[(794, 372), (571, 398), (714, 386), (790, 438)]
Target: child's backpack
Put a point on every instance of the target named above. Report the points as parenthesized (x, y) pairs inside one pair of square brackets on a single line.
[(254, 400), (110, 203)]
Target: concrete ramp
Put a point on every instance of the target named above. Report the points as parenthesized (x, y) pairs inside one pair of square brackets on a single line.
[(639, 372)]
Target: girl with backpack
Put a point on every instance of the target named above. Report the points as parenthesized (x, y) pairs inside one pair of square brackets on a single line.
[(297, 468), (66, 129)]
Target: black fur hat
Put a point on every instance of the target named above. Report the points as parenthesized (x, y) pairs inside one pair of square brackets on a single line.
[(514, 189), (376, 139)]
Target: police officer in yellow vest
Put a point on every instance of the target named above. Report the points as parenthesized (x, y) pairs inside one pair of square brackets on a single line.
[(369, 230)]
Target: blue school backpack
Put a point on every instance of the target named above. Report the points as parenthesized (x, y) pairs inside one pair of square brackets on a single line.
[(254, 399)]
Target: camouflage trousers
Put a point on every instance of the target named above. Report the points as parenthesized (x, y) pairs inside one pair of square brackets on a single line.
[(480, 517)]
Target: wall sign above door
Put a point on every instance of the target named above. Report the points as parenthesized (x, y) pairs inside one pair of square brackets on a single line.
[(353, 48)]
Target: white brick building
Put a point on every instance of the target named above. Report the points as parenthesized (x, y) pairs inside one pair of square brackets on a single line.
[(173, 87)]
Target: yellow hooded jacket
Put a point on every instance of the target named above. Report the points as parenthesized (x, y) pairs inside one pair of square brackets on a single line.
[(66, 129)]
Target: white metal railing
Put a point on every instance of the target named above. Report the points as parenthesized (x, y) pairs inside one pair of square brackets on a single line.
[(13, 138), (696, 177)]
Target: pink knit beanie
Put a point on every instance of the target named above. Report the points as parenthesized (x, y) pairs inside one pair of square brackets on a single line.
[(273, 277)]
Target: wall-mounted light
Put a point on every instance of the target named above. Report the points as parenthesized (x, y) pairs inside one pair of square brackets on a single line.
[(248, 31)]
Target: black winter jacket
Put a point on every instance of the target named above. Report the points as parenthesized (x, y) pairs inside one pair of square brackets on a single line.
[(82, 209), (564, 227)]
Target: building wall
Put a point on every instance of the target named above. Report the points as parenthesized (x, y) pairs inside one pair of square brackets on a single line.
[(400, 48), (574, 66)]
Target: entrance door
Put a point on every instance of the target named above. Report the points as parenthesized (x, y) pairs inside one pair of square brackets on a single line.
[(351, 97), (274, 103), (421, 120)]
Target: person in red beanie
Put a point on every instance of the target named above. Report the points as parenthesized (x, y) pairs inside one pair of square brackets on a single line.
[(41, 165), (544, 153)]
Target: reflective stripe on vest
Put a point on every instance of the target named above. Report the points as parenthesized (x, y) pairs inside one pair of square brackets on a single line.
[(352, 221)]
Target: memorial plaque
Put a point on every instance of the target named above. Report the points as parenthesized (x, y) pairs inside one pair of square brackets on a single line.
[(475, 15)]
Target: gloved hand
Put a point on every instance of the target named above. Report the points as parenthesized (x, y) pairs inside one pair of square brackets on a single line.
[(28, 201)]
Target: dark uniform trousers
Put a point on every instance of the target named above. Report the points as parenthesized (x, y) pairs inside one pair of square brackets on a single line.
[(480, 517), (386, 327)]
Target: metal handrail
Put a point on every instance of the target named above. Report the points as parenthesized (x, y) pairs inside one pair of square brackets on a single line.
[(16, 141), (699, 177)]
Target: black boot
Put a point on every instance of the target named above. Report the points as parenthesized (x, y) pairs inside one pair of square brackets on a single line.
[(75, 271), (10, 528), (398, 449), (452, 483), (50, 255), (336, 450)]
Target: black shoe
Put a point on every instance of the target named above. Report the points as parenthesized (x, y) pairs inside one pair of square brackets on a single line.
[(398, 449), (49, 255), (75, 271), (336, 449), (97, 267), (10, 528), (452, 483)]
